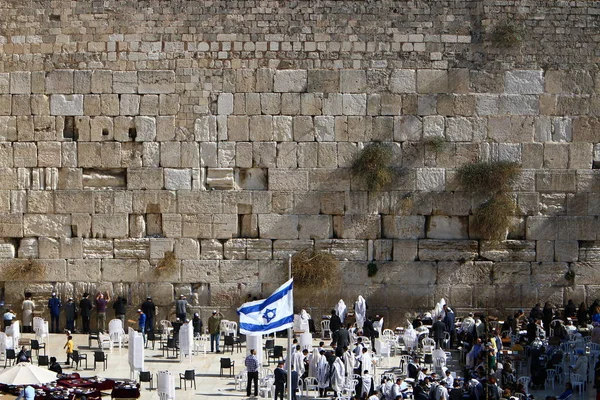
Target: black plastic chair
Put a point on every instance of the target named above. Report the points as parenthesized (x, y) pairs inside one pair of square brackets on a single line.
[(188, 375), (35, 345), (93, 336), (269, 344), (239, 340), (275, 354), (10, 355), (76, 358), (226, 363), (171, 345), (43, 360), (229, 342), (146, 376), (100, 357)]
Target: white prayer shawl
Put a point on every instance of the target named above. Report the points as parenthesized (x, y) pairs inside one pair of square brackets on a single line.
[(367, 363), (338, 376), (348, 362), (313, 363), (438, 309), (323, 372), (341, 310), (410, 336), (366, 384), (360, 311), (467, 324), (298, 362)]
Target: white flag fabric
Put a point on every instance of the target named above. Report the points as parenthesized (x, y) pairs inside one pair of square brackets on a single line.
[(272, 314)]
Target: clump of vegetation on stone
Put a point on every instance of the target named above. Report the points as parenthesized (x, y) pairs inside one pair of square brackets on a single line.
[(373, 166), (506, 34), (314, 269), (437, 144), (570, 276), (372, 269), (496, 176), (167, 264), (494, 217), (23, 270)]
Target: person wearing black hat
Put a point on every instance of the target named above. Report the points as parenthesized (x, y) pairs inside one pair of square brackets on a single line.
[(149, 308), (70, 314), (85, 307), (54, 306), (119, 306)]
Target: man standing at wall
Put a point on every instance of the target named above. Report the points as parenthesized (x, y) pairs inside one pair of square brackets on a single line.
[(54, 306), (214, 328), (70, 314), (85, 307), (149, 309), (101, 304), (181, 306), (119, 306)]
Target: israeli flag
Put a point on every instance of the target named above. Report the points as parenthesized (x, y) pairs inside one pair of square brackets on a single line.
[(272, 314)]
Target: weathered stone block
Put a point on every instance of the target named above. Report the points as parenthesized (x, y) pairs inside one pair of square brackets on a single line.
[(323, 81), (470, 273), (432, 81), (405, 227), (344, 249), (156, 81), (59, 81), (353, 81), (20, 82), (145, 129), (357, 226), (444, 227), (205, 271), (50, 225), (430, 250), (403, 81), (66, 104), (290, 81), (178, 179), (110, 226), (509, 250), (125, 81), (288, 180), (144, 178), (431, 179), (272, 226), (354, 104), (524, 81)]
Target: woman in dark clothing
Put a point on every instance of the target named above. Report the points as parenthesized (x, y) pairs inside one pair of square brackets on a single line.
[(570, 309), (547, 316), (582, 315)]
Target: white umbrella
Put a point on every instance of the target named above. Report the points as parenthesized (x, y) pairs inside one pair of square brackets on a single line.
[(26, 374)]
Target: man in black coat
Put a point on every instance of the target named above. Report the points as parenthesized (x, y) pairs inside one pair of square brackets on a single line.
[(335, 322), (280, 380), (449, 321), (149, 308), (85, 308), (438, 329), (341, 338)]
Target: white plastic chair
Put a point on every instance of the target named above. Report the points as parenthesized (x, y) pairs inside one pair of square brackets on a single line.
[(384, 349), (311, 383), (525, 381), (105, 342), (224, 327), (116, 332), (167, 327), (578, 382), (403, 365), (241, 380), (325, 328), (551, 377)]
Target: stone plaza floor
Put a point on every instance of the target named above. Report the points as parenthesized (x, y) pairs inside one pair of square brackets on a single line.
[(210, 385)]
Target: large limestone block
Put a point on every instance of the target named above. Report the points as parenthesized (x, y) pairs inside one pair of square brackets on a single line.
[(132, 248), (66, 104), (431, 179), (259, 249), (28, 248), (20, 82), (291, 180), (89, 271), (290, 81), (156, 81), (524, 81), (224, 226), (403, 227), (314, 227), (552, 273), (432, 81), (323, 81), (405, 250), (60, 81), (449, 250), (73, 201), (7, 250), (145, 129), (50, 225), (110, 226), (344, 249), (238, 271), (204, 271), (178, 179), (273, 226), (125, 81), (98, 248), (144, 178), (353, 81), (409, 273), (220, 178), (403, 81), (509, 250), (200, 202), (225, 104), (444, 227), (282, 249), (358, 226), (354, 104)]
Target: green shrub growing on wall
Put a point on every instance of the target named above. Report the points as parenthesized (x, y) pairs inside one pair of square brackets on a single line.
[(373, 166), (437, 144), (506, 34), (495, 176), (317, 269), (494, 217)]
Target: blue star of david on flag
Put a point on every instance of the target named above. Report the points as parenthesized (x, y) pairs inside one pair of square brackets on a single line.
[(269, 314), (272, 314)]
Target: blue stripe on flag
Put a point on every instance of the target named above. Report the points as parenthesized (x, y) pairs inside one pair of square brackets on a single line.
[(268, 301), (262, 328)]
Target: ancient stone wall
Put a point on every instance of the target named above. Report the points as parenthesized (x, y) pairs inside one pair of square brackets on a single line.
[(167, 147)]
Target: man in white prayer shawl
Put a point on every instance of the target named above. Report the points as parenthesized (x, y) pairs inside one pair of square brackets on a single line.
[(349, 361), (298, 361), (360, 311), (338, 375), (341, 310), (366, 361), (323, 374), (367, 384), (313, 363)]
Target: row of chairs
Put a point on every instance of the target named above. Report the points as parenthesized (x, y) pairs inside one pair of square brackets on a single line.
[(187, 376)]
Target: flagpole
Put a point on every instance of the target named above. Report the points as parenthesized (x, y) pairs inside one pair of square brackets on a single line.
[(289, 342)]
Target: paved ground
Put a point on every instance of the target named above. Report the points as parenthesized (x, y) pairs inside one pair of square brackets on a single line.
[(209, 383)]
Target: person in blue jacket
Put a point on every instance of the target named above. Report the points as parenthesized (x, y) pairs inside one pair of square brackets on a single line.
[(142, 323), (54, 306)]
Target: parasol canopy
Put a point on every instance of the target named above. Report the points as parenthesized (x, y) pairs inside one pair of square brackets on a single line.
[(26, 374)]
